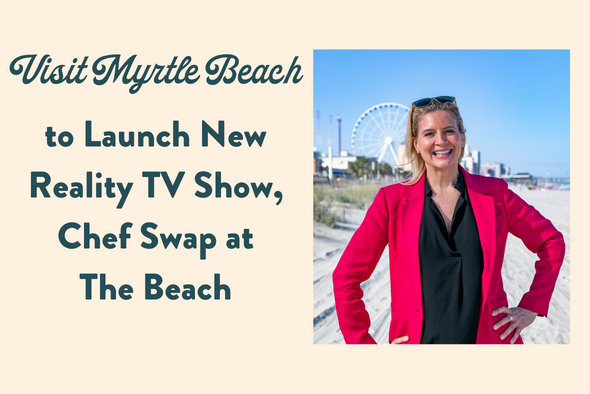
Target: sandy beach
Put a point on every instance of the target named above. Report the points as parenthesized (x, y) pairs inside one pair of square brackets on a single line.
[(518, 271)]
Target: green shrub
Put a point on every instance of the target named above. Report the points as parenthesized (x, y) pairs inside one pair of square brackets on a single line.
[(359, 194)]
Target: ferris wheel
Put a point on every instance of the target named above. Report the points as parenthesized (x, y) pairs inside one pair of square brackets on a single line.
[(380, 131)]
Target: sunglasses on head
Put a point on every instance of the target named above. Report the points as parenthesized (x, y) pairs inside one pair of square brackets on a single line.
[(427, 101)]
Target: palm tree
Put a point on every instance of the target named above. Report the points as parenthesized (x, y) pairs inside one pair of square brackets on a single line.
[(360, 167)]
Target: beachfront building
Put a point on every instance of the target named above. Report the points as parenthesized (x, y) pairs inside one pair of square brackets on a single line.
[(339, 164), (500, 169), (467, 163), (401, 153), (476, 156), (495, 169), (470, 161), (489, 169)]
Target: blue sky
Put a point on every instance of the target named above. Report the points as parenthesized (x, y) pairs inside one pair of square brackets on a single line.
[(515, 104)]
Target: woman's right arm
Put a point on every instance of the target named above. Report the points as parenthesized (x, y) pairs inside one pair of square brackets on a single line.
[(356, 266)]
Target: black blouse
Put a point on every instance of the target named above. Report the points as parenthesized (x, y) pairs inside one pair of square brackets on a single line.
[(451, 266)]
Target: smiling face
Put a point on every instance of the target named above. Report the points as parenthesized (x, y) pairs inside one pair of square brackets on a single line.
[(438, 141)]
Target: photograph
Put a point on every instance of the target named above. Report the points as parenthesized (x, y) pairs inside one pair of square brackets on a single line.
[(441, 197)]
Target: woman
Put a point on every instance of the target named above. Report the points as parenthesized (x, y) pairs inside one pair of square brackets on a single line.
[(447, 232)]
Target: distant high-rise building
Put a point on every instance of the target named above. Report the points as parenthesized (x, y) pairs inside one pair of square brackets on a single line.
[(476, 155), (487, 170), (498, 169), (467, 163), (401, 154), (470, 160)]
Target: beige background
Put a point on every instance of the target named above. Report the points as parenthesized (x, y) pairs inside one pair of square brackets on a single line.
[(55, 341)]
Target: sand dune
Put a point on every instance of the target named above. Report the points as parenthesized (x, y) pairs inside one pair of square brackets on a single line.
[(518, 271)]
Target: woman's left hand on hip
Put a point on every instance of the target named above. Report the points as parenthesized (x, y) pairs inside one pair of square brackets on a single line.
[(519, 319)]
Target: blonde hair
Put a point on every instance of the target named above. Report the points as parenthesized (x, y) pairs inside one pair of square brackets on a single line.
[(417, 162)]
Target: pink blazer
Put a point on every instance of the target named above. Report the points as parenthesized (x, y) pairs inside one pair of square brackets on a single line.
[(394, 219)]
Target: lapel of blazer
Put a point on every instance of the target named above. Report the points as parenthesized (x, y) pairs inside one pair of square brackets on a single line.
[(411, 214), (483, 210)]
